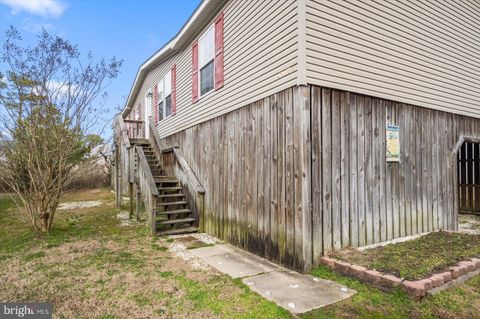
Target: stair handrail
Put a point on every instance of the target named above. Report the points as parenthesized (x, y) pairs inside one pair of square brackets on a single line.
[(192, 185), (123, 131), (143, 164), (156, 137), (149, 192), (192, 178)]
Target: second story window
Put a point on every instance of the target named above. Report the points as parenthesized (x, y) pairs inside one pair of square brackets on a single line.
[(161, 100), (167, 81), (206, 55), (165, 105)]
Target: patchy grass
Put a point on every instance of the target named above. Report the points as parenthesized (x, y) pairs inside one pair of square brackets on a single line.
[(460, 302), (90, 267), (418, 258)]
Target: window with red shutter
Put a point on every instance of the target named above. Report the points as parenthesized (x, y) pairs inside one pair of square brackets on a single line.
[(195, 72), (219, 52)]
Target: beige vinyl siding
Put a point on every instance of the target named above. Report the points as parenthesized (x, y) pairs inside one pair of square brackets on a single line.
[(260, 58), (419, 52)]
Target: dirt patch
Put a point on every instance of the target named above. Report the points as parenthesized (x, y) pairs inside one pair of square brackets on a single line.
[(125, 220), (418, 258), (469, 224), (79, 205)]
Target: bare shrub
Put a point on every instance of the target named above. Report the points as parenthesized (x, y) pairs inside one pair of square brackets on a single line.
[(48, 95)]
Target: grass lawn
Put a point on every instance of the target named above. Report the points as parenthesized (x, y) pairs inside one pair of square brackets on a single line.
[(462, 301), (91, 267), (418, 258)]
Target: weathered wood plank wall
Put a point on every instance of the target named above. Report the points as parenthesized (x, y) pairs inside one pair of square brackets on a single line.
[(385, 200), (254, 164), (303, 172)]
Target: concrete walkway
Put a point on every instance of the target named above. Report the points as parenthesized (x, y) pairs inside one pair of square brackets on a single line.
[(298, 293)]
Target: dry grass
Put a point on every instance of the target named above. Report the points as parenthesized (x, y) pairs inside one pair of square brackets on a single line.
[(90, 267)]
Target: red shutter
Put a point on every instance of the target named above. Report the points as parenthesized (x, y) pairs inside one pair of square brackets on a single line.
[(219, 52), (195, 72), (155, 102), (174, 89)]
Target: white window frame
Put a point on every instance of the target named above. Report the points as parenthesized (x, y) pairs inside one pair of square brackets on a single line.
[(148, 111), (160, 94), (200, 66), (164, 87)]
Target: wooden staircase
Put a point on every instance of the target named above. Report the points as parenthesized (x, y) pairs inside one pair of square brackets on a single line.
[(172, 211)]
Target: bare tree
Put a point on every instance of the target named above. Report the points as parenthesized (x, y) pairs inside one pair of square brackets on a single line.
[(50, 106)]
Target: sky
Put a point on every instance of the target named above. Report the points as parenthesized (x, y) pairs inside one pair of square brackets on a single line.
[(131, 30)]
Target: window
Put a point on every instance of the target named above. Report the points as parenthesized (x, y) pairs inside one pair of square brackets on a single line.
[(206, 55), (165, 96), (148, 104), (207, 61), (167, 80), (161, 103)]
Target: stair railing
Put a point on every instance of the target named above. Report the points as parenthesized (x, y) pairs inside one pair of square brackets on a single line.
[(155, 138), (176, 164), (147, 189), (134, 128)]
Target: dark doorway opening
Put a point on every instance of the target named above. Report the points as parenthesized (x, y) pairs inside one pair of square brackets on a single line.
[(468, 158)]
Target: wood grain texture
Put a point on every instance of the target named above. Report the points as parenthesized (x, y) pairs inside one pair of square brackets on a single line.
[(303, 172)]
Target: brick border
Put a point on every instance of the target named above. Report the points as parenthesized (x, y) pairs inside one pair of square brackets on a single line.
[(419, 288)]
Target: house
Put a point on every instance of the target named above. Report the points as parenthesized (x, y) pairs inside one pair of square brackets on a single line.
[(294, 128)]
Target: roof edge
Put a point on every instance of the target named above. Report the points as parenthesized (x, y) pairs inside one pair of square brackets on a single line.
[(165, 51)]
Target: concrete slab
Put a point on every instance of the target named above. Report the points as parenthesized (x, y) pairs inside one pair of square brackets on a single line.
[(298, 293), (233, 261)]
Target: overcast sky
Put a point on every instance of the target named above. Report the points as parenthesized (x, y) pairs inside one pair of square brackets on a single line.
[(132, 30)]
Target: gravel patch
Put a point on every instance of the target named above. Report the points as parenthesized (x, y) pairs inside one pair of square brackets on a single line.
[(79, 205), (180, 249), (469, 224), (125, 220)]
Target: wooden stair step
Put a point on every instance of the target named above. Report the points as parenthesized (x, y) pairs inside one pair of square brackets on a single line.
[(178, 231), (165, 181), (171, 203), (173, 212), (177, 221), (174, 188), (142, 141), (171, 195)]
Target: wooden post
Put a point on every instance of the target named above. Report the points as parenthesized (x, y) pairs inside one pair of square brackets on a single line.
[(153, 222), (199, 203), (118, 182), (132, 200), (137, 202)]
